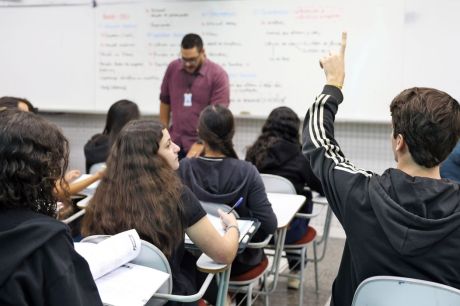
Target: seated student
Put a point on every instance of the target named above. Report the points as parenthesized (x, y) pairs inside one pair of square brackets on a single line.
[(405, 222), (278, 151), (450, 168), (98, 147), (219, 176), (141, 190), (64, 188), (38, 264), (13, 102)]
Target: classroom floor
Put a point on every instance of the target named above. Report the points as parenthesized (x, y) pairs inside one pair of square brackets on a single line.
[(327, 268)]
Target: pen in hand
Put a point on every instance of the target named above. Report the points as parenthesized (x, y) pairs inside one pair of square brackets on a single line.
[(238, 203)]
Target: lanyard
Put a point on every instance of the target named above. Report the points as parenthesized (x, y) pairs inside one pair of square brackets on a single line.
[(190, 78)]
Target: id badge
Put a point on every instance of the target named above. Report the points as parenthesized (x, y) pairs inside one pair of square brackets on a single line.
[(187, 99)]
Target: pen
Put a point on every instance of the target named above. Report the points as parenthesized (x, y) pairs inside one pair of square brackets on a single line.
[(238, 203)]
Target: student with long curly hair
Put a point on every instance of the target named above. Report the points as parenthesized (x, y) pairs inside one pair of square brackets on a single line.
[(277, 151), (38, 264), (219, 176), (141, 190), (64, 188)]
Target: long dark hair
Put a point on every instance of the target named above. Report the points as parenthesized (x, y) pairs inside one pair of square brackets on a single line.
[(120, 113), (139, 190), (282, 123), (33, 157), (216, 128)]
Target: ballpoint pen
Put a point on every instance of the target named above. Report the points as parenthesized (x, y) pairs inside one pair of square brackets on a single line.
[(238, 203)]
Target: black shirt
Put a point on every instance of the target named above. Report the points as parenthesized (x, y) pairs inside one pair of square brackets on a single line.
[(38, 264), (96, 150), (193, 212)]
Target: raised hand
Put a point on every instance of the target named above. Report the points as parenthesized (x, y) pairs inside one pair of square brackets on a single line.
[(334, 65)]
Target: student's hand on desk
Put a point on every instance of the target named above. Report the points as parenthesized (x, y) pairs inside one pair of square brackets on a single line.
[(227, 219), (195, 150), (334, 65), (71, 175)]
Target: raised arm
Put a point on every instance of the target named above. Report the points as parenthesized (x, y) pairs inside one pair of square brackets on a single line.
[(337, 175), (334, 65)]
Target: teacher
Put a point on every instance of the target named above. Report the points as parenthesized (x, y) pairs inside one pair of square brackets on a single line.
[(191, 83)]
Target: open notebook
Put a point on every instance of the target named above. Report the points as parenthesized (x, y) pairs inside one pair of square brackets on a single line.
[(118, 281), (246, 227)]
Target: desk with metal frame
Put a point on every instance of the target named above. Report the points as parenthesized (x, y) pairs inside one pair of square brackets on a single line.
[(285, 206)]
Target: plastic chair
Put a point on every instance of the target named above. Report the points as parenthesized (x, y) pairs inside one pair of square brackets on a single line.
[(151, 256), (298, 249), (401, 291), (277, 184), (245, 282)]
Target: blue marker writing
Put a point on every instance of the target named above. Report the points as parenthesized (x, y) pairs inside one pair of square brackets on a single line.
[(238, 203)]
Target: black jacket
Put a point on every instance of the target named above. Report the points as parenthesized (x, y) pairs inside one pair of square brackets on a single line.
[(285, 159), (395, 224), (38, 264), (97, 150), (225, 181)]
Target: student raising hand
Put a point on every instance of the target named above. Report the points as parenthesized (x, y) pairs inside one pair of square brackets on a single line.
[(334, 65)]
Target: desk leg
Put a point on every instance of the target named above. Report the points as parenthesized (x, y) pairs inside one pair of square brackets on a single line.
[(279, 246), (224, 278)]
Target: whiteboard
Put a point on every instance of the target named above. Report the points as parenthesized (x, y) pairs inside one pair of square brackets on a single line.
[(83, 59), (47, 56), (432, 45)]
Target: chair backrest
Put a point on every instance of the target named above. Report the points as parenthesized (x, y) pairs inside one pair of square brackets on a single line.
[(399, 291), (96, 167), (277, 184), (150, 256)]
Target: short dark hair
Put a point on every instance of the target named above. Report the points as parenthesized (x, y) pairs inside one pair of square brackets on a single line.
[(192, 40), (34, 156), (216, 128), (13, 102), (429, 121)]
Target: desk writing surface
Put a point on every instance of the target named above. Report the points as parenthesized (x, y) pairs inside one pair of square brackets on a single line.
[(89, 190), (285, 206), (207, 264)]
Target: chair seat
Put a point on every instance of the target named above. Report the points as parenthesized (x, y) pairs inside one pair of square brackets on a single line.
[(253, 273), (202, 302), (308, 237)]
